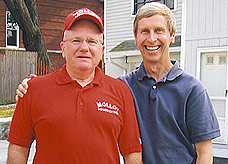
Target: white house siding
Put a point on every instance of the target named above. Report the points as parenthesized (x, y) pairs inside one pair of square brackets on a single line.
[(207, 26), (118, 22)]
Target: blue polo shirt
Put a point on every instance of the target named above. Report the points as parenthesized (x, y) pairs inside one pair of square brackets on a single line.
[(173, 114)]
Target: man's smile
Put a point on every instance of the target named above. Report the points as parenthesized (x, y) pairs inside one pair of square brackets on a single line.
[(152, 48)]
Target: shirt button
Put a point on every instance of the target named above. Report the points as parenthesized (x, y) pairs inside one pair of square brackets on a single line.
[(154, 87), (81, 103)]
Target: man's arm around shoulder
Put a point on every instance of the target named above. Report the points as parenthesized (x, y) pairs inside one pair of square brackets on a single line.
[(17, 154), (133, 158)]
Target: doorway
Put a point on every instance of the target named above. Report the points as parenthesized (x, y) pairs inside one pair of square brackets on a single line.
[(213, 74)]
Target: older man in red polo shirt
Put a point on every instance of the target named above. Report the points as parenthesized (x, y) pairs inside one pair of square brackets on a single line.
[(77, 114)]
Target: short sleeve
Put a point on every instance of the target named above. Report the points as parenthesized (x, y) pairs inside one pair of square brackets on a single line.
[(21, 128), (201, 118), (129, 141)]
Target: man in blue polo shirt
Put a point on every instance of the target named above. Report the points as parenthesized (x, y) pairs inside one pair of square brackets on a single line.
[(175, 115)]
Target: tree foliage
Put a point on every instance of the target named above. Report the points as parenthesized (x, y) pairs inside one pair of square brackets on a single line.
[(27, 17)]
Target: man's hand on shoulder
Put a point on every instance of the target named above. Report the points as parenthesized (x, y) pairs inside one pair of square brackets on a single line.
[(22, 88)]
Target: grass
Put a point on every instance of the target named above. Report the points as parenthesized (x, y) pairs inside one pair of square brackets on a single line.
[(7, 112), (7, 108)]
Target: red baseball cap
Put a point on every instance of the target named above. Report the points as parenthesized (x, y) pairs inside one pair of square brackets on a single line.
[(83, 13)]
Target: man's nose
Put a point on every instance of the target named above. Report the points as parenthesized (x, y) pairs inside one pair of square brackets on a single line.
[(84, 46), (152, 36)]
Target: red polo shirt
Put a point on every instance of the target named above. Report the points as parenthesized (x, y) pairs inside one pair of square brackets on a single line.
[(72, 124)]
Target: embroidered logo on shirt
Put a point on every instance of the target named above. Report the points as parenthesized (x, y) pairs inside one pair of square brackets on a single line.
[(107, 107)]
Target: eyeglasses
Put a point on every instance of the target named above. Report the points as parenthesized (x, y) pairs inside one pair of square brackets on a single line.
[(78, 41)]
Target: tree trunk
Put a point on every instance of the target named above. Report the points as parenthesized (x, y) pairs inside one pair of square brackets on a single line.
[(27, 17)]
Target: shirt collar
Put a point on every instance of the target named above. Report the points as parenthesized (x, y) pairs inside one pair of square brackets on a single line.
[(62, 77), (174, 72), (141, 72)]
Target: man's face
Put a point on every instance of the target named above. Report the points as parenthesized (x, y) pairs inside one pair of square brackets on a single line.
[(82, 46), (153, 39)]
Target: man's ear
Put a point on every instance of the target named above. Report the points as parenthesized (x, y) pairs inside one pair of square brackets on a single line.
[(63, 49), (102, 52), (135, 36), (135, 41), (173, 38)]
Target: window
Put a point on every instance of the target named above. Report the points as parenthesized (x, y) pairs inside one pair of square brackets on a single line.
[(210, 59), (12, 31), (222, 59), (140, 3)]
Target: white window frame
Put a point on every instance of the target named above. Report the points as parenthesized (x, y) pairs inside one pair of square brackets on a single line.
[(132, 7), (15, 28)]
